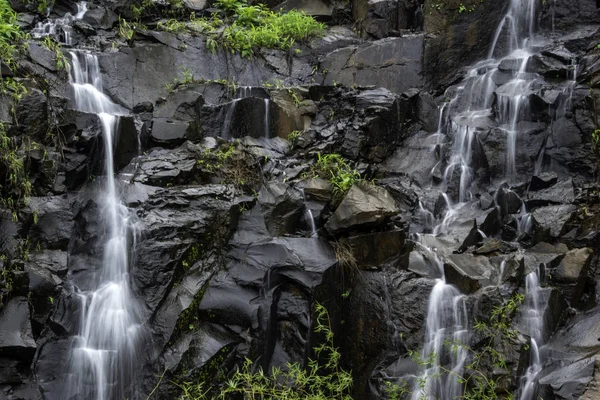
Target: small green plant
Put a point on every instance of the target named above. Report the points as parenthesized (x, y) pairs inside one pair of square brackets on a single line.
[(462, 8), (320, 380), (334, 168), (55, 47), (293, 136)]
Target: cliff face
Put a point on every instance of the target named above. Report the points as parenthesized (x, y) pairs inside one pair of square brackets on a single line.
[(238, 225)]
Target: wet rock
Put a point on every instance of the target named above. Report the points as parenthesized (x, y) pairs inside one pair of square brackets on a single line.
[(317, 189), (473, 238), (492, 222), (486, 201), (196, 5), (54, 222), (377, 63), (508, 201), (562, 192), (289, 114), (549, 222), (468, 273), (415, 158), (16, 339), (569, 381), (570, 274), (168, 133), (543, 181), (282, 207), (161, 167), (364, 205)]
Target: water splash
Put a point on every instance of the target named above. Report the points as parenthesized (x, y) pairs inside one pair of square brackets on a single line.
[(60, 28), (110, 336)]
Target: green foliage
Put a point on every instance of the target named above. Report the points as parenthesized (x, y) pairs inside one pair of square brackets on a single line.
[(596, 141), (55, 47), (293, 136), (15, 187), (334, 168), (128, 28), (12, 39), (324, 380)]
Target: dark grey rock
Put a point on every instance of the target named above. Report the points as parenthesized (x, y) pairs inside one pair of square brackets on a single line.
[(364, 205), (15, 330), (543, 181), (467, 272), (282, 207)]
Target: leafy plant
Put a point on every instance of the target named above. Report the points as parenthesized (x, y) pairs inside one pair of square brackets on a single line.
[(334, 168), (324, 380), (293, 136), (55, 47)]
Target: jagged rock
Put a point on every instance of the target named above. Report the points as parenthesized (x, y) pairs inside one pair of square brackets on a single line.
[(364, 205), (161, 167), (492, 222), (543, 181), (422, 262), (508, 201), (317, 189), (473, 238), (379, 18), (550, 221), (571, 273), (54, 222), (414, 158), (282, 207), (468, 273), (569, 381), (289, 115), (100, 18), (559, 193), (196, 5)]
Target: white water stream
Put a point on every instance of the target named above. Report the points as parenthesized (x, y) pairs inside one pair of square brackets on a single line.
[(60, 28), (103, 358)]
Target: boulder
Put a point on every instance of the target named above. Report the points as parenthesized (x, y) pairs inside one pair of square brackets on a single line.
[(32, 114), (492, 222), (549, 222), (467, 272), (54, 222), (570, 275), (282, 207), (363, 206), (316, 189), (380, 18)]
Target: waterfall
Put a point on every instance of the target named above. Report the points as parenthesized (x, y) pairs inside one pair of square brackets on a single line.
[(60, 27), (309, 216), (533, 318), (103, 359), (446, 325)]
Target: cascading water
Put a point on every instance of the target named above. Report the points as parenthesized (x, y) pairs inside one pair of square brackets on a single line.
[(495, 88), (533, 321), (60, 27), (110, 334), (446, 325)]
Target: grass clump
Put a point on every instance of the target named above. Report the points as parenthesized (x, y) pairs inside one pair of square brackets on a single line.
[(320, 380), (336, 170)]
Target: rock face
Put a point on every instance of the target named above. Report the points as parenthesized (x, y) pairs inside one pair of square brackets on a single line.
[(236, 240)]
